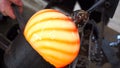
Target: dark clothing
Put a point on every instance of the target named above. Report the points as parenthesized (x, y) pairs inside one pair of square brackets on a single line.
[(85, 4)]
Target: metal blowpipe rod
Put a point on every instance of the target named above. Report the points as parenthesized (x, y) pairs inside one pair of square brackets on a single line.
[(100, 2)]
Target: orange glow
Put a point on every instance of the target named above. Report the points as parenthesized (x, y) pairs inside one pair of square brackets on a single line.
[(54, 36)]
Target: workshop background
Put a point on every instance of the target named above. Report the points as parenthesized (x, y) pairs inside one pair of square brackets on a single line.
[(32, 6)]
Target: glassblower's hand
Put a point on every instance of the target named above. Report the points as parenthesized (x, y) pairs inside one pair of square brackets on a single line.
[(6, 8)]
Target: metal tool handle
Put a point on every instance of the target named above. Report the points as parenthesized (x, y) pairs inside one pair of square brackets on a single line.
[(100, 2), (19, 17)]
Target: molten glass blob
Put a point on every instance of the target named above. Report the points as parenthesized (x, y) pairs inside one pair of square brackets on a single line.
[(54, 36)]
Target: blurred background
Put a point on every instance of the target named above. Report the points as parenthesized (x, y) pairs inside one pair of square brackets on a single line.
[(9, 30)]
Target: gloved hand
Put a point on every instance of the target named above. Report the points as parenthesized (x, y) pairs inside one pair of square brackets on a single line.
[(6, 8)]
